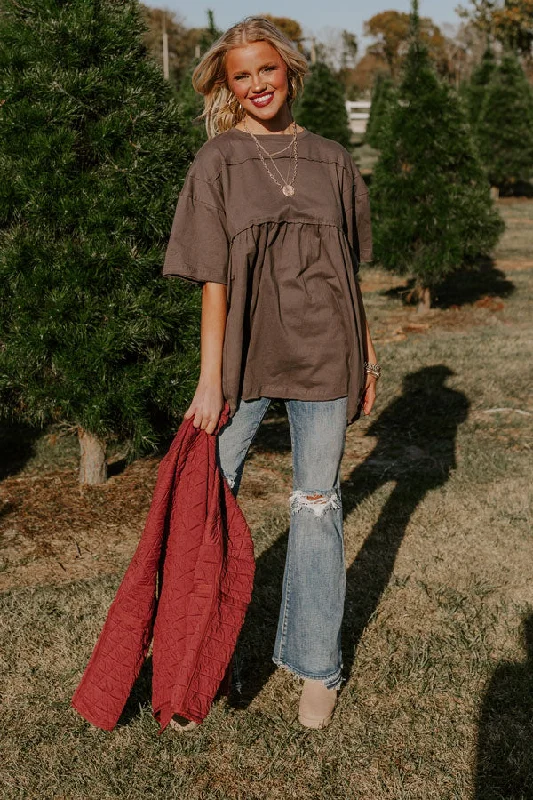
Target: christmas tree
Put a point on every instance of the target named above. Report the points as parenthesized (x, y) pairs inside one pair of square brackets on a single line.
[(383, 99), (92, 155), (504, 127), (322, 106), (430, 195), (191, 103), (474, 91)]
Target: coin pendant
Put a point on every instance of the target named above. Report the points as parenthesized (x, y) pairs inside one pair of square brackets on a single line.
[(288, 191)]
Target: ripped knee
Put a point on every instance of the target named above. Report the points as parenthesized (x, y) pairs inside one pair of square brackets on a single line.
[(316, 502), (231, 481)]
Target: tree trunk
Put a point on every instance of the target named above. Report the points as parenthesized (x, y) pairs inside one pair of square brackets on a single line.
[(93, 464), (494, 192), (424, 300)]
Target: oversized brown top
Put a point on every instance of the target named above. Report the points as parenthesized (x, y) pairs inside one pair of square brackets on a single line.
[(293, 328)]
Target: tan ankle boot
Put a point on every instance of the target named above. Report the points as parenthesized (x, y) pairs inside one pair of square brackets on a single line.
[(181, 724), (317, 704)]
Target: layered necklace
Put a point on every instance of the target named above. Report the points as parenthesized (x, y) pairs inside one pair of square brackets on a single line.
[(287, 185)]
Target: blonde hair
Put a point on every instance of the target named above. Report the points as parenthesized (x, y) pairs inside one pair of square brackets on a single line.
[(221, 109)]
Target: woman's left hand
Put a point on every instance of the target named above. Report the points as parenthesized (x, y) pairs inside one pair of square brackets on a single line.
[(369, 393)]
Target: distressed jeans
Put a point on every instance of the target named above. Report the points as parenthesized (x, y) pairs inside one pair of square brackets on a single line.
[(314, 580)]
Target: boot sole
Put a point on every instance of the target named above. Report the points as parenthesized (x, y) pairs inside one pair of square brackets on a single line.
[(181, 727), (316, 724)]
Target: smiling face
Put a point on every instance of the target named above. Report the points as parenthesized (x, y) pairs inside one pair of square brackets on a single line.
[(257, 75)]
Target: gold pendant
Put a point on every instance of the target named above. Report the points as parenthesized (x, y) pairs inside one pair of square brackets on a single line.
[(287, 190)]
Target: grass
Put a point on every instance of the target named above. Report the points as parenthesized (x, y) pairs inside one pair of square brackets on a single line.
[(438, 639)]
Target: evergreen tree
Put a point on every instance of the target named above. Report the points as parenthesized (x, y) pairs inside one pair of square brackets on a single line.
[(505, 125), (474, 90), (430, 195), (383, 100), (322, 106), (92, 157), (211, 33), (191, 103)]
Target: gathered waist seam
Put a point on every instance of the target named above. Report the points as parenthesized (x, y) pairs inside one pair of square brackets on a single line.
[(288, 220)]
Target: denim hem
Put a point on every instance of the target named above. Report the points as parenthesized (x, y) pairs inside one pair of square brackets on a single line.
[(332, 681)]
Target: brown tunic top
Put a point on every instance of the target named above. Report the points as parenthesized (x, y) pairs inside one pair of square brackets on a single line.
[(293, 327)]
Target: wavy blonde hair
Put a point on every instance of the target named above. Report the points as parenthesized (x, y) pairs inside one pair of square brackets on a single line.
[(222, 110)]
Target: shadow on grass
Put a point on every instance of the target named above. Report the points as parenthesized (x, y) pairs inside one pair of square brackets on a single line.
[(505, 737), (17, 446), (416, 449), (116, 467), (517, 189), (273, 435), (462, 287), (140, 695)]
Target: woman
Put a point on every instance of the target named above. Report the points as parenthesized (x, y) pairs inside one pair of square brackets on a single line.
[(273, 221)]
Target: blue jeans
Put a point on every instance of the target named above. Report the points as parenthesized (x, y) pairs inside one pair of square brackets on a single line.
[(314, 581)]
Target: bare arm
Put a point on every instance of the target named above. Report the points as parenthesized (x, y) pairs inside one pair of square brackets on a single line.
[(369, 392), (208, 400)]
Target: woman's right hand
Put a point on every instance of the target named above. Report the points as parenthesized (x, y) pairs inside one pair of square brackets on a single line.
[(208, 401), (207, 405)]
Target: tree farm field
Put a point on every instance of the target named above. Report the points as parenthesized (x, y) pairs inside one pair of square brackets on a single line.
[(438, 635)]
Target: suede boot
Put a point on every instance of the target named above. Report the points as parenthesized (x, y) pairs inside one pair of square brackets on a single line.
[(181, 724), (317, 704)]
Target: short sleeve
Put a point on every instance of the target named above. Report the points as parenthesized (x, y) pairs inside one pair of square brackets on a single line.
[(356, 201), (198, 247)]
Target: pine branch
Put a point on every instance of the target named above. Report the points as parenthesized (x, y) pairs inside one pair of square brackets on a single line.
[(415, 21)]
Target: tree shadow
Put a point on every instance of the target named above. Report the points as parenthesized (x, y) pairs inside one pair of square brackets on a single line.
[(117, 467), (519, 188), (462, 287), (504, 769), (416, 436), (17, 446)]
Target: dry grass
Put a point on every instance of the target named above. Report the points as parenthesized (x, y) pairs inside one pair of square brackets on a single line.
[(438, 639)]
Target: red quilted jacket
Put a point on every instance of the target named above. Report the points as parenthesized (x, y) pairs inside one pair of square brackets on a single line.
[(187, 588)]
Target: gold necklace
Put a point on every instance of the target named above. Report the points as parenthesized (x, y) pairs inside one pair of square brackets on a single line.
[(287, 187), (276, 152)]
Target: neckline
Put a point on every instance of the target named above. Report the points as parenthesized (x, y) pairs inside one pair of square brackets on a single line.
[(300, 134)]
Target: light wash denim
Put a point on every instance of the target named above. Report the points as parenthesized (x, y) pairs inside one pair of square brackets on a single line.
[(314, 581)]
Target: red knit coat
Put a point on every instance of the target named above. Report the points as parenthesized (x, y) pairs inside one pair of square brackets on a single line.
[(187, 588)]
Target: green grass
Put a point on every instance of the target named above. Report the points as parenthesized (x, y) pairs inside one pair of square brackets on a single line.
[(517, 239), (365, 157), (438, 641)]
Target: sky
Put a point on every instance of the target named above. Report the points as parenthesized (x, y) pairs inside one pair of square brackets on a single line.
[(314, 17)]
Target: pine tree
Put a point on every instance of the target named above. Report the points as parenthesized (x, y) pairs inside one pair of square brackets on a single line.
[(375, 110), (191, 103), (322, 106), (92, 157), (504, 127), (430, 196), (474, 91), (383, 99)]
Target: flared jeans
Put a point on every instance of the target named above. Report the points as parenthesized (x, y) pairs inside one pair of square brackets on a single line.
[(308, 637)]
